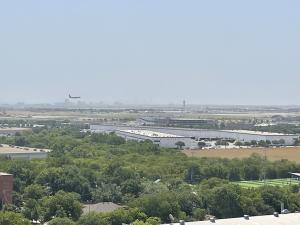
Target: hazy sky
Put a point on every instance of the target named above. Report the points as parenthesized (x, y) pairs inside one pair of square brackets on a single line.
[(154, 51)]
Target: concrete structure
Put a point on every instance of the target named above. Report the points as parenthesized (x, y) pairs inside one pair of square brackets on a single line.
[(240, 135), (103, 207), (6, 188), (162, 139), (276, 219), (16, 152)]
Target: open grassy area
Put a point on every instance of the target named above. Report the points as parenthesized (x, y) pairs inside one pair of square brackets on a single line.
[(275, 182), (273, 154)]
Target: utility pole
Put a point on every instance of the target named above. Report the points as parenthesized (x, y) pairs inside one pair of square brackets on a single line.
[(192, 175)]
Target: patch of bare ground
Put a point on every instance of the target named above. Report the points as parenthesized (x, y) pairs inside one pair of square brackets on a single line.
[(273, 154)]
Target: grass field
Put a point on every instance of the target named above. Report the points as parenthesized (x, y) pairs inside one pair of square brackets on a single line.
[(273, 154), (275, 182)]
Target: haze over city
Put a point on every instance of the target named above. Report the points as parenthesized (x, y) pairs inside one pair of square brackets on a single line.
[(150, 52)]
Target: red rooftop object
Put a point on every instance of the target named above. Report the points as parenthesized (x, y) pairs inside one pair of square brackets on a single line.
[(6, 188)]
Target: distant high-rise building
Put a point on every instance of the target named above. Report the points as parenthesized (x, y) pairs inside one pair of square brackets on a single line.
[(6, 188), (184, 105)]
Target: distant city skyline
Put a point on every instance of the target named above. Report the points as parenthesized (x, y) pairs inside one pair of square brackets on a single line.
[(151, 52)]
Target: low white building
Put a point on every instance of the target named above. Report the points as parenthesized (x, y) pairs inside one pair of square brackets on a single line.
[(161, 139), (276, 219), (23, 153), (247, 136)]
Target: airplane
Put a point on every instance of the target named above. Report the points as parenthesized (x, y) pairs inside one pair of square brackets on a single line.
[(73, 97)]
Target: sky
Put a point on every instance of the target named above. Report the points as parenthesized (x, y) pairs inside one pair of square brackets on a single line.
[(151, 52)]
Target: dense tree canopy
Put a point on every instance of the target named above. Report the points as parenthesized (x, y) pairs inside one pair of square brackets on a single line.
[(61, 221), (11, 218), (152, 182)]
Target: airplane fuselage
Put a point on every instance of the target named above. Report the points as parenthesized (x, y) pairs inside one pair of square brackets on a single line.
[(72, 97)]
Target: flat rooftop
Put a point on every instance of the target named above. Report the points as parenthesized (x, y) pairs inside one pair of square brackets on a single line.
[(258, 133), (7, 149), (5, 174), (295, 174), (153, 134), (283, 219), (103, 207)]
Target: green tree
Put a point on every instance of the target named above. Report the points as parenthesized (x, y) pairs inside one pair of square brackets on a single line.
[(201, 144), (193, 173), (21, 141), (199, 214), (253, 142), (126, 216), (262, 143), (11, 218), (139, 222), (35, 191), (273, 196), (153, 221), (222, 142), (180, 144), (68, 179), (159, 205), (251, 171), (131, 186), (224, 201), (238, 143), (32, 210), (17, 200), (94, 219), (234, 173), (187, 201), (61, 221), (62, 204)]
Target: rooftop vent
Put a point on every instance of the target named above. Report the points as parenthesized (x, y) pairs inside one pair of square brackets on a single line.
[(246, 217), (276, 214)]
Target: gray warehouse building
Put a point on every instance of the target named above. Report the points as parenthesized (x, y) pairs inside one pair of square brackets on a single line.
[(240, 135), (161, 139)]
